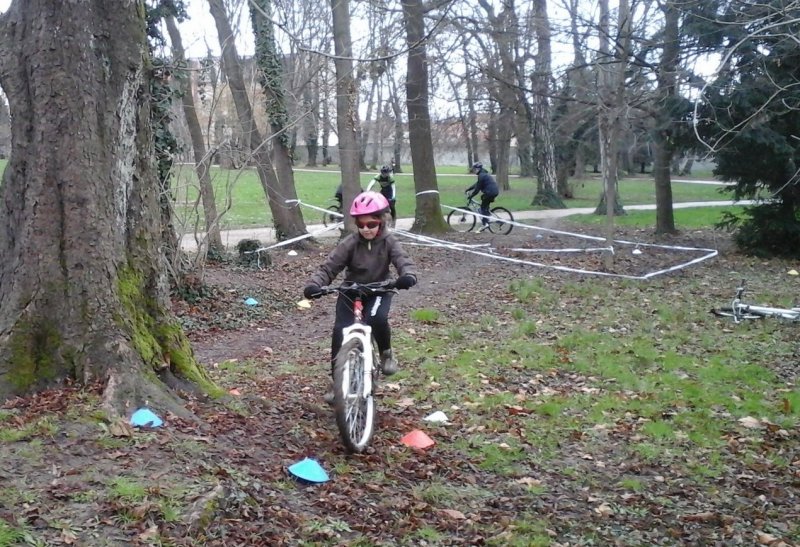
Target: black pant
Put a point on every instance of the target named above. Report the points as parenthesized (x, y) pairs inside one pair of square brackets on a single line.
[(376, 315), (485, 202)]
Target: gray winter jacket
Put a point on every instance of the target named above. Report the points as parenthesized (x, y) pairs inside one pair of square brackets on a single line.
[(366, 261)]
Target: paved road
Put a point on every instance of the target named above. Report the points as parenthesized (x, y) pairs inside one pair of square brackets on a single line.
[(267, 235)]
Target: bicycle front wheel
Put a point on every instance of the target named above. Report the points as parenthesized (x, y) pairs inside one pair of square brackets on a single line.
[(331, 216), (461, 220), (727, 311), (354, 409), (501, 221)]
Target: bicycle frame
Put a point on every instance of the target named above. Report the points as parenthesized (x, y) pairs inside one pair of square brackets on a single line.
[(792, 314), (741, 311), (363, 333), (355, 370)]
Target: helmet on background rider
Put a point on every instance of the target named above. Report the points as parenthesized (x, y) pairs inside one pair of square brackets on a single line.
[(386, 169), (477, 166), (369, 203)]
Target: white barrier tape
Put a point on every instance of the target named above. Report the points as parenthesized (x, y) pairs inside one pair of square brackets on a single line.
[(575, 250), (430, 241), (427, 192), (528, 226), (298, 238), (327, 211), (710, 253)]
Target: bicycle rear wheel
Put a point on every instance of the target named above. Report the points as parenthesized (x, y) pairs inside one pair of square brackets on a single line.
[(501, 220), (461, 220), (727, 311), (354, 409), (329, 219)]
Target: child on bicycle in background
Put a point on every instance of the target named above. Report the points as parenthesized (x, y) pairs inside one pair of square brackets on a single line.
[(365, 257), (386, 184), (488, 186), (338, 195)]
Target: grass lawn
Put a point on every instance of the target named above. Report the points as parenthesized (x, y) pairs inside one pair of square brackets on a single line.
[(248, 208), (240, 196), (686, 219)]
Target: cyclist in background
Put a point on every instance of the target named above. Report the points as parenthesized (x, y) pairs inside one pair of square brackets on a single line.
[(365, 257), (386, 184), (338, 195), (488, 186)]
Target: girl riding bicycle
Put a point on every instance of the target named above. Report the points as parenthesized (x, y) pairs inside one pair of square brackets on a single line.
[(366, 257)]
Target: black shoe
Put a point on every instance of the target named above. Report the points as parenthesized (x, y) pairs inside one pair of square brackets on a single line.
[(328, 397), (388, 362)]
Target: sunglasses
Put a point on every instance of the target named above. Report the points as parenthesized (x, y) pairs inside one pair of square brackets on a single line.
[(370, 225)]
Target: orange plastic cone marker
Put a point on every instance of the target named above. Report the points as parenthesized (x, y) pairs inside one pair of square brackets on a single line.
[(417, 439)]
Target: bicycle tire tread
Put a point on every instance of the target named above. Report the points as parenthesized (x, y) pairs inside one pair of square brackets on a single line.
[(340, 409)]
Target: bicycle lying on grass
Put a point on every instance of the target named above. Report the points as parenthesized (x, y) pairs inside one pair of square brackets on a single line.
[(740, 311), (464, 219), (356, 369)]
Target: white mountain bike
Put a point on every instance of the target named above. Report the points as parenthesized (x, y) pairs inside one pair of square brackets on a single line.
[(740, 311), (356, 369)]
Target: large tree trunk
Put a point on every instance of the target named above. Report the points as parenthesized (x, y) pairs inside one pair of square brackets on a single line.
[(662, 142), (611, 101), (346, 105), (326, 116), (202, 160), (270, 77), (473, 115), (82, 284), (547, 194), (428, 218), (505, 130), (397, 112), (311, 123), (287, 220), (368, 128), (525, 148)]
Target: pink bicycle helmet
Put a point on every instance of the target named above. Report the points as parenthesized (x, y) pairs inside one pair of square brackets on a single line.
[(369, 203)]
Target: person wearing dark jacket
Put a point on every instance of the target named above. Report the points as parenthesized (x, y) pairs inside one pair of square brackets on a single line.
[(366, 257), (386, 186), (488, 186)]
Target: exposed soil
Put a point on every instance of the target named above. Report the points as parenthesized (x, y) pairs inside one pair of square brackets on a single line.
[(226, 474)]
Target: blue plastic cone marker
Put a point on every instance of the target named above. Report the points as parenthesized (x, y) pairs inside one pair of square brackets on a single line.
[(144, 417), (251, 301), (417, 439), (309, 470)]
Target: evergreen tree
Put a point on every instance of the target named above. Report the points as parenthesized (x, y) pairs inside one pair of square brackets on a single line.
[(750, 120)]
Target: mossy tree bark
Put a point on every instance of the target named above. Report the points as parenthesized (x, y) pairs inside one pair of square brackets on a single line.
[(82, 284), (288, 220)]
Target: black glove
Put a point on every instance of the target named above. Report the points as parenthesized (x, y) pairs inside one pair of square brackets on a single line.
[(312, 290), (405, 281)]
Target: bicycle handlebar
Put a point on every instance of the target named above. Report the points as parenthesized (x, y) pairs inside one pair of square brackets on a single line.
[(363, 288), (740, 290)]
